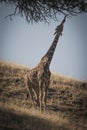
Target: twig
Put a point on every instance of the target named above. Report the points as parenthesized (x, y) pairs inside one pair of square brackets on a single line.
[(13, 14)]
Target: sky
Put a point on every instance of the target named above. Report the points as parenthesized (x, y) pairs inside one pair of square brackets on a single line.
[(25, 43)]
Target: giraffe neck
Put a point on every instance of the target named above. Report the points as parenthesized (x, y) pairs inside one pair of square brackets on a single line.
[(46, 59), (51, 49)]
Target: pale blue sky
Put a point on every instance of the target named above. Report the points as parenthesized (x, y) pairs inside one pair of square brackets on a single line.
[(24, 43)]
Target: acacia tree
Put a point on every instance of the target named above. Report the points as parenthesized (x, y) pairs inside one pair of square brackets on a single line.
[(43, 10)]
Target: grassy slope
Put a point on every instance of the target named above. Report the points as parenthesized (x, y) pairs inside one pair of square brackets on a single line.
[(66, 102)]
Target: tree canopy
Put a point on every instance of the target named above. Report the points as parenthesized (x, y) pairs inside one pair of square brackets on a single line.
[(43, 10)]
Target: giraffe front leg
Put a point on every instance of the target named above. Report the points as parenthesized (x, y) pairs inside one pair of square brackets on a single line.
[(40, 96), (40, 99), (44, 99)]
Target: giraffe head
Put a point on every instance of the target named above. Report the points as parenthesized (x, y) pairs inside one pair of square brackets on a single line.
[(59, 28)]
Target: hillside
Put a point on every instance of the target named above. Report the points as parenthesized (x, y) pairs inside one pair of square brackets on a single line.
[(66, 102)]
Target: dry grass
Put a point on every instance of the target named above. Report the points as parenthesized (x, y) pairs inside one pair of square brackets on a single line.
[(30, 118), (66, 102)]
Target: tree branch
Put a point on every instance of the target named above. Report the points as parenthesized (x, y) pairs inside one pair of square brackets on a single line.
[(43, 10)]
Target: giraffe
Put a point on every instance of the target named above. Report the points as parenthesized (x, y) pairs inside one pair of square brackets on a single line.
[(38, 78)]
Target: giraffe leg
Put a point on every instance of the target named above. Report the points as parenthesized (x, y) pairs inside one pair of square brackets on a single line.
[(44, 99), (36, 95), (40, 95), (37, 100), (31, 97), (40, 99), (30, 93), (26, 86)]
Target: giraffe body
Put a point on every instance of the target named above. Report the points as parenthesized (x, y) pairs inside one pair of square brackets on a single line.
[(38, 78)]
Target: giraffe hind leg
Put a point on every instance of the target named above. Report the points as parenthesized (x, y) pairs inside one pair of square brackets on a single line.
[(36, 95), (31, 94)]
